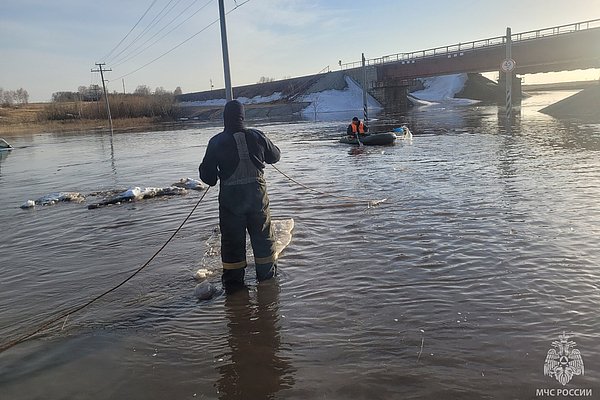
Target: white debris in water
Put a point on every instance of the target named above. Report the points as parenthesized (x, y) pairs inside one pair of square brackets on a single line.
[(54, 198), (28, 204), (204, 290), (137, 193), (189, 183), (203, 273), (131, 193)]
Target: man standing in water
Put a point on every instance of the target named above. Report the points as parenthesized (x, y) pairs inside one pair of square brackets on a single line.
[(237, 157)]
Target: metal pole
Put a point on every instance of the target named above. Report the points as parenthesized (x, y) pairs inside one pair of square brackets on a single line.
[(509, 73), (228, 89), (364, 88), (105, 94)]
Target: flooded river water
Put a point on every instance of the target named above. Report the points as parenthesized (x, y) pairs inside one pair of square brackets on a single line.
[(485, 251)]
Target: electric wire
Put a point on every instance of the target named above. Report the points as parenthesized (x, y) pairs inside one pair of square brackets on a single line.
[(73, 310), (150, 25), (180, 44), (156, 33), (139, 50), (131, 30)]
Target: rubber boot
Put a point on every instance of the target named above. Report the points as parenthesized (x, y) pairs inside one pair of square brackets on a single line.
[(233, 279), (265, 271)]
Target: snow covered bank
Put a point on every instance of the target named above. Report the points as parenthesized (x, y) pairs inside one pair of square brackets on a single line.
[(443, 89), (244, 100), (339, 97), (338, 104)]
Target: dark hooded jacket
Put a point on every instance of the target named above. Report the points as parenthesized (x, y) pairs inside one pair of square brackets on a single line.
[(221, 158)]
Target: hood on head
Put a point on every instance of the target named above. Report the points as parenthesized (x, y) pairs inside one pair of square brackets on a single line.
[(233, 116)]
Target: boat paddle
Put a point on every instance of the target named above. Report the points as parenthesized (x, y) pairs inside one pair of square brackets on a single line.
[(358, 139)]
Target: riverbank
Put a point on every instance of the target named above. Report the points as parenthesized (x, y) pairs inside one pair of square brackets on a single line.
[(582, 106), (27, 119), (559, 86)]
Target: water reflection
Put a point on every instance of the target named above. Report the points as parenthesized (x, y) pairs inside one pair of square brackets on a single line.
[(3, 156), (255, 369), (356, 150)]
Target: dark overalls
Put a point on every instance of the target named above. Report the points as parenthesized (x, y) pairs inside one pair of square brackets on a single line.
[(237, 156), (244, 205)]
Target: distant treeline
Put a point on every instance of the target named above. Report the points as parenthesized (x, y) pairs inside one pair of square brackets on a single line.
[(9, 98), (89, 103)]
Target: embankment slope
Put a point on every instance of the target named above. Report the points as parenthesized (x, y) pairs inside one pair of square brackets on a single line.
[(584, 105)]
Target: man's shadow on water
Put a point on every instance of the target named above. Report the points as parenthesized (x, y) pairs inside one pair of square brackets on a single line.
[(255, 368)]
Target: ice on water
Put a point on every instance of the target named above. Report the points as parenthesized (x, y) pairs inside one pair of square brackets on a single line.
[(54, 198), (211, 261), (117, 196), (189, 183)]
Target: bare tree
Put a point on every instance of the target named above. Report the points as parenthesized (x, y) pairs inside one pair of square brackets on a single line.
[(142, 90), (178, 91), (159, 91), (8, 98), (315, 105), (22, 96)]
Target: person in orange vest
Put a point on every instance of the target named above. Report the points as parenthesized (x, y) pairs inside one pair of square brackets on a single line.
[(356, 127)]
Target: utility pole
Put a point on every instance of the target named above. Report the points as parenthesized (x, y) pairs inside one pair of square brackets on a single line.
[(105, 93), (123, 80), (228, 89)]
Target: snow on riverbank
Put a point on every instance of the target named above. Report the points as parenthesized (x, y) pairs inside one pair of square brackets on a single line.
[(443, 89), (244, 100), (336, 104)]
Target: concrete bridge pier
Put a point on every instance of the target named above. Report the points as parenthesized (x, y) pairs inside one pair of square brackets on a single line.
[(392, 94)]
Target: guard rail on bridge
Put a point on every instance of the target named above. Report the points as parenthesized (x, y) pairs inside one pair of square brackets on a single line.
[(459, 48)]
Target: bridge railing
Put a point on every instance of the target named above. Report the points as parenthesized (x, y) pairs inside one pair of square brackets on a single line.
[(459, 49)]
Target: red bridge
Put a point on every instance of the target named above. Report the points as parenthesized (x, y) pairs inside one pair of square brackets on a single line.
[(560, 48)]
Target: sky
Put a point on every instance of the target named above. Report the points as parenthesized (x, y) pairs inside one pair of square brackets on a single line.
[(51, 46)]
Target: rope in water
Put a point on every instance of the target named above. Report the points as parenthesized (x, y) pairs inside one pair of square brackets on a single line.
[(65, 314), (370, 202)]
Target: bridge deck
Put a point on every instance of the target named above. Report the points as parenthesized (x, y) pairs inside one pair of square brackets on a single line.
[(565, 47)]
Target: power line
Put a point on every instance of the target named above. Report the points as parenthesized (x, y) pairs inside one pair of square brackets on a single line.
[(133, 55), (131, 30), (146, 29), (182, 43), (128, 56)]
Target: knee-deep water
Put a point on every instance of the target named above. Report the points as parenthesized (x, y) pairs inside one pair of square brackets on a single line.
[(484, 252)]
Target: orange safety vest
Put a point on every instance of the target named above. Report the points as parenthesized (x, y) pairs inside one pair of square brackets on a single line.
[(360, 128)]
